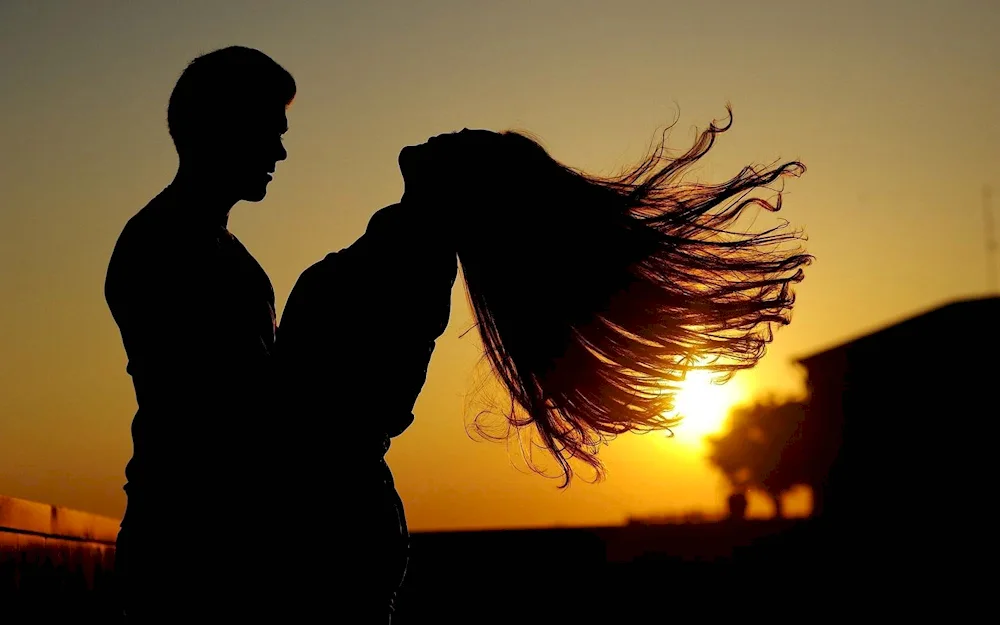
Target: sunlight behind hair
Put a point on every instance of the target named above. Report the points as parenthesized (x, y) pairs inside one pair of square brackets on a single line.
[(704, 406), (621, 283)]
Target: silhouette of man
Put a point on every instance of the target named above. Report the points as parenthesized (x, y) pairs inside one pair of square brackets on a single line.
[(196, 315)]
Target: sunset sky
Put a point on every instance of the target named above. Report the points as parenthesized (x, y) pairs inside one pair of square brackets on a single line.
[(891, 104)]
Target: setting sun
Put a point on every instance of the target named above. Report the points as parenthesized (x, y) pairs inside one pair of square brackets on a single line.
[(704, 406)]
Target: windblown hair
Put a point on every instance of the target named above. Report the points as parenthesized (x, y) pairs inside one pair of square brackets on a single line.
[(223, 88), (595, 296)]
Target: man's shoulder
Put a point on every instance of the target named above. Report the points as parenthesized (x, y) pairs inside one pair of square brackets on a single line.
[(141, 230), (153, 223), (148, 242)]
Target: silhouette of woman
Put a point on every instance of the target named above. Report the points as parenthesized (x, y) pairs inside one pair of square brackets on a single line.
[(593, 298)]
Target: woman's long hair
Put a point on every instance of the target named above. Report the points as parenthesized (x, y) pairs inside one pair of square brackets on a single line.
[(595, 296)]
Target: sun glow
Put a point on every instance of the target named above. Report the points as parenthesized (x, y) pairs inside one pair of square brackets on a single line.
[(704, 406)]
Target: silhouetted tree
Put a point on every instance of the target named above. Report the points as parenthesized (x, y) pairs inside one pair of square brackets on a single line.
[(762, 450), (737, 506)]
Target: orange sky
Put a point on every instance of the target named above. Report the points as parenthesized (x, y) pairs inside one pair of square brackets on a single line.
[(891, 105)]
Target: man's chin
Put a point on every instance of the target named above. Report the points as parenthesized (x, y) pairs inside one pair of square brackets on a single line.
[(255, 195)]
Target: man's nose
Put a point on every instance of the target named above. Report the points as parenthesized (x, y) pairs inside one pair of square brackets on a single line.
[(282, 152)]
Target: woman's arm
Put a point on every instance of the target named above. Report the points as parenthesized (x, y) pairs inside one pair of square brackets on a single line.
[(359, 326)]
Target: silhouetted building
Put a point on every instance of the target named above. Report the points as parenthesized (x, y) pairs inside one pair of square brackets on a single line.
[(900, 418)]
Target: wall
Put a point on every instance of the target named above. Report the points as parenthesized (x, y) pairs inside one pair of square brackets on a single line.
[(54, 560)]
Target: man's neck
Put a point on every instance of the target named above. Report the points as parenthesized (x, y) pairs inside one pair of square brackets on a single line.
[(200, 198)]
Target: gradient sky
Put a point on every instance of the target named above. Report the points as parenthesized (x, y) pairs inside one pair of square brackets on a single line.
[(891, 104)]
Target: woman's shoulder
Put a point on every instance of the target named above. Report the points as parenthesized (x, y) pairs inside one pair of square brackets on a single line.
[(319, 271), (388, 214), (398, 221)]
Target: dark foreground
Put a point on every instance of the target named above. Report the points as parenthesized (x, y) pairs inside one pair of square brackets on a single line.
[(792, 570)]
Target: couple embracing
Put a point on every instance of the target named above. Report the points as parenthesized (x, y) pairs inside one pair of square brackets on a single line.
[(593, 297)]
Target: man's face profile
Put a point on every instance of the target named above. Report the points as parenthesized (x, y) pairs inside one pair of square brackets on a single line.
[(247, 152), (226, 116)]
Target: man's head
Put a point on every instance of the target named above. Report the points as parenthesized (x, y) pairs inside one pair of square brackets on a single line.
[(226, 117)]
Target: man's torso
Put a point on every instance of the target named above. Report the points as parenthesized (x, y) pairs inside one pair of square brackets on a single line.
[(196, 314)]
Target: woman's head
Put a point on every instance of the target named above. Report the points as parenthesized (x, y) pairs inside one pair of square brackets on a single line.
[(449, 168), (594, 296)]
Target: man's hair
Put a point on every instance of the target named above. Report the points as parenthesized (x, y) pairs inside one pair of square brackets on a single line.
[(222, 88)]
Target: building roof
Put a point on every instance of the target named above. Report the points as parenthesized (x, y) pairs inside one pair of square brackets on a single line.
[(968, 315)]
